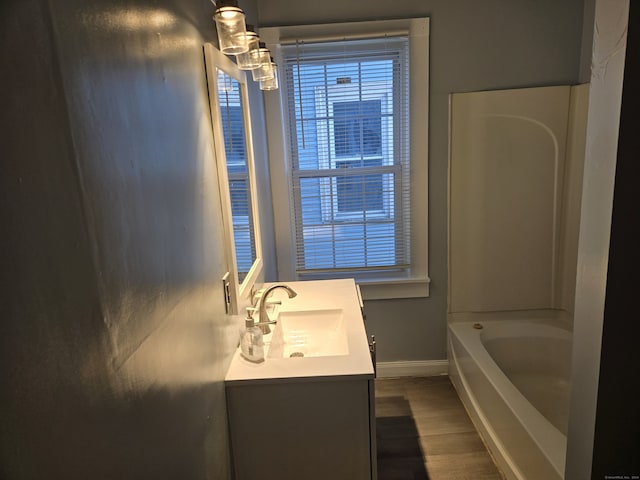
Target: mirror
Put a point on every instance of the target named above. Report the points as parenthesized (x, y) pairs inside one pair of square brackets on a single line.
[(233, 131), (234, 152)]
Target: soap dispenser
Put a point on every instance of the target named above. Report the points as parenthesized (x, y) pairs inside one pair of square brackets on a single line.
[(251, 342)]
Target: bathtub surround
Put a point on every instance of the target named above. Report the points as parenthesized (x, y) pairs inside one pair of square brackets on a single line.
[(514, 205)]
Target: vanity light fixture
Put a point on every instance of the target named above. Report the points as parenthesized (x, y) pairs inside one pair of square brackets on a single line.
[(265, 70), (229, 18), (270, 83), (250, 59), (237, 38)]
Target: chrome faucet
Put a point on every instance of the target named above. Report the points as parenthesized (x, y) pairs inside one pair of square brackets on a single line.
[(261, 306)]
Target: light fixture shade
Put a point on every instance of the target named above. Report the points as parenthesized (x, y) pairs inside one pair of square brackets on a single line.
[(270, 83), (250, 59), (229, 18), (265, 70)]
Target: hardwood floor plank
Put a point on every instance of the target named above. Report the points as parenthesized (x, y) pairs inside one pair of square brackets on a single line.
[(452, 443), (393, 406), (406, 468), (461, 466), (443, 424), (427, 410), (396, 427), (424, 433), (400, 447)]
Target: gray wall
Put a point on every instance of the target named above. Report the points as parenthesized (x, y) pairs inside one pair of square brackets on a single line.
[(113, 338), (495, 44)]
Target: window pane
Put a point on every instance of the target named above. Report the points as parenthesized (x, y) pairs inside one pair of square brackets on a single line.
[(238, 190), (308, 145), (233, 130), (311, 197), (359, 193), (357, 128), (349, 246)]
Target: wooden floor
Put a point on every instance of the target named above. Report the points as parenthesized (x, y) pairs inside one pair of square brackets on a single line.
[(424, 433)]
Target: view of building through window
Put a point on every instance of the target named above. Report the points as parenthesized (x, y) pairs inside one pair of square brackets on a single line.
[(350, 156)]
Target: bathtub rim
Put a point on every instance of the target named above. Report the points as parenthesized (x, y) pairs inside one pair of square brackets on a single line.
[(496, 449), (537, 426)]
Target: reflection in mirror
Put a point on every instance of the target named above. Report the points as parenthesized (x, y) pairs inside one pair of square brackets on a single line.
[(232, 120)]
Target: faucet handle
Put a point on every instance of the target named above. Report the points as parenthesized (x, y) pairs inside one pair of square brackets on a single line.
[(256, 295)]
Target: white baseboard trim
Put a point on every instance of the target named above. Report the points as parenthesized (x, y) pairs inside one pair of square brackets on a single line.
[(421, 368)]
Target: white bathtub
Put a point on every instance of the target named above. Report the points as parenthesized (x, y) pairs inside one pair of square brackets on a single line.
[(513, 377)]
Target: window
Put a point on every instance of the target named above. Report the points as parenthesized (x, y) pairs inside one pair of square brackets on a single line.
[(349, 155), (350, 165)]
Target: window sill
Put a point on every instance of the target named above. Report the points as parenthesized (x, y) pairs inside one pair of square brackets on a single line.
[(382, 287), (394, 288)]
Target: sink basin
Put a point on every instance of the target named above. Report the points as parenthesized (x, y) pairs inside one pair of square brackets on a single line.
[(309, 333)]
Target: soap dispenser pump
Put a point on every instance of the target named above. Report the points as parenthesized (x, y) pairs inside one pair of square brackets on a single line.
[(251, 341)]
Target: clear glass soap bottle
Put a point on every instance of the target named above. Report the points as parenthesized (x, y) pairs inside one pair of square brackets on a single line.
[(251, 341)]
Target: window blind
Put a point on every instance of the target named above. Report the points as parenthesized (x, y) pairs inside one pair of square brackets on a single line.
[(348, 122)]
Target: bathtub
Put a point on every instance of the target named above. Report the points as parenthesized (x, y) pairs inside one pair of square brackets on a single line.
[(513, 377)]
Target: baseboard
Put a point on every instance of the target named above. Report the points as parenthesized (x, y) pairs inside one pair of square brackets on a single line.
[(421, 368)]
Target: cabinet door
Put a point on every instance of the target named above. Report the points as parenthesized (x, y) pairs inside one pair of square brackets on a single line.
[(312, 430)]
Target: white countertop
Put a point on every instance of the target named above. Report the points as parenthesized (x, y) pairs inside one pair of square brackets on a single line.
[(316, 294)]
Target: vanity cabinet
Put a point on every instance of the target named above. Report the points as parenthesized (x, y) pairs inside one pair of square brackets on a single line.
[(312, 429), (307, 418)]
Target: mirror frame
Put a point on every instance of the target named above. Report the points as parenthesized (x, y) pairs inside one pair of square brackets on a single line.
[(216, 60)]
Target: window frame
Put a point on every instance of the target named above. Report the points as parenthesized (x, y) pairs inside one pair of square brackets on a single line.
[(414, 282)]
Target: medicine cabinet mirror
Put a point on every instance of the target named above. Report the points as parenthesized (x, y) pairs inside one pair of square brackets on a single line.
[(230, 116)]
